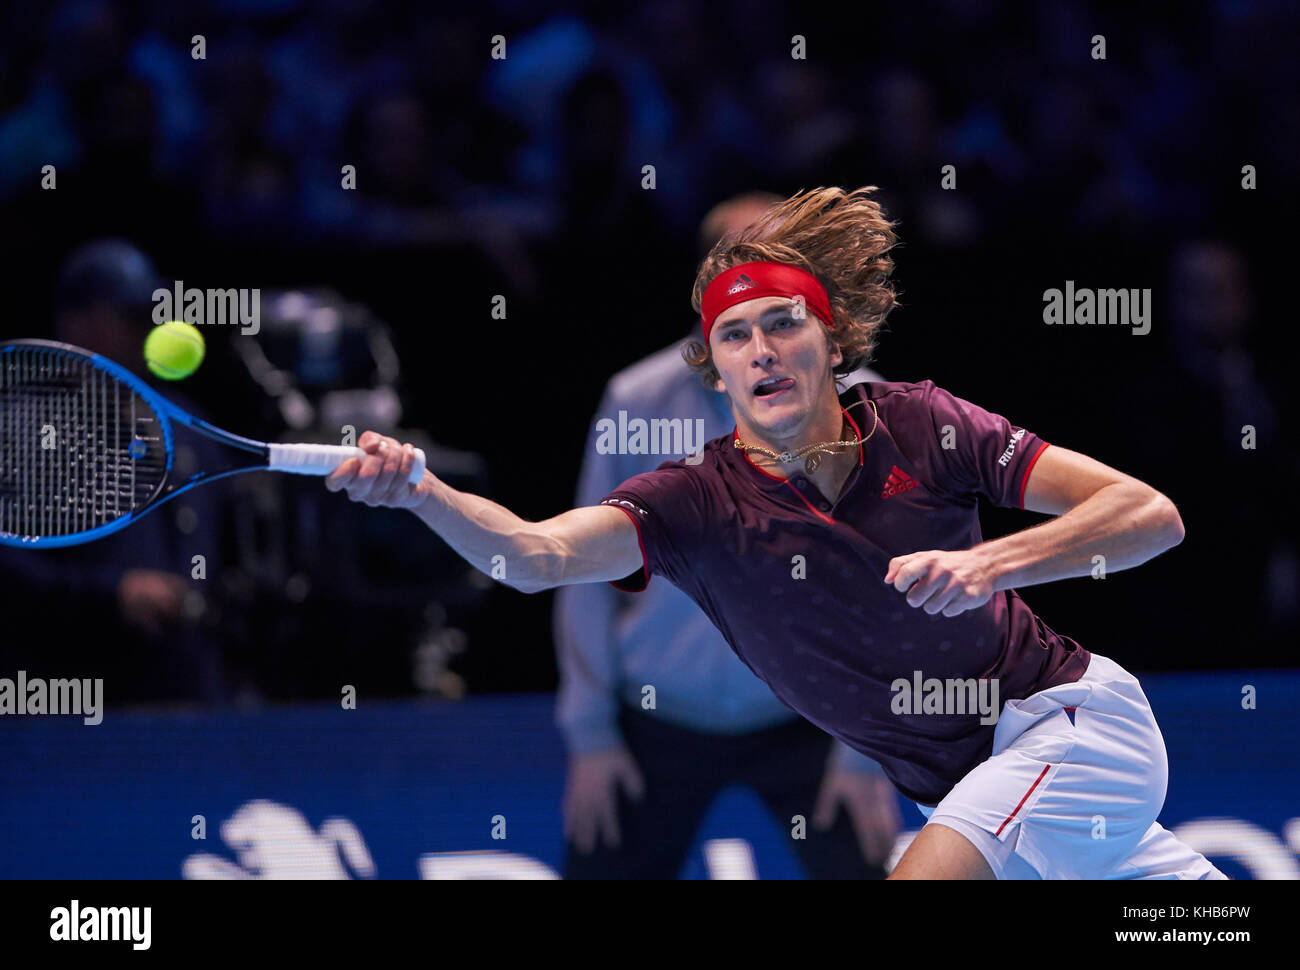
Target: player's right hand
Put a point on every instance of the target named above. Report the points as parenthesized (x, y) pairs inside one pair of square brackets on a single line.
[(381, 477), (591, 796)]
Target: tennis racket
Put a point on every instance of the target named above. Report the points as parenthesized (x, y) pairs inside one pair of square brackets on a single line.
[(86, 447)]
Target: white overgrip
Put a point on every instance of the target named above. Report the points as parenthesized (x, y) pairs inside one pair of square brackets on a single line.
[(306, 459)]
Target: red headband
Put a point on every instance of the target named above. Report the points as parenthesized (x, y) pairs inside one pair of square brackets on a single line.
[(750, 281)]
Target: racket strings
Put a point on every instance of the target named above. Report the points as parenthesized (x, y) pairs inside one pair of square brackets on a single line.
[(78, 448)]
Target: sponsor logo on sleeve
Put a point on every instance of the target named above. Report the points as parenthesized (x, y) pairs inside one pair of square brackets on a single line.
[(625, 504), (1011, 447)]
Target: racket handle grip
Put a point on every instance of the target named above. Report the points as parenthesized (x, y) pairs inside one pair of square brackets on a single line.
[(323, 459)]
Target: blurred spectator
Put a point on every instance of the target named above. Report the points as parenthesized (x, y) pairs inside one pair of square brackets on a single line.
[(83, 54), (249, 182), (602, 199), (335, 53), (1212, 435), (908, 152), (96, 124)]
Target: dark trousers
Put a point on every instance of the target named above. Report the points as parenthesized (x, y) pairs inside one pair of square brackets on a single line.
[(685, 770)]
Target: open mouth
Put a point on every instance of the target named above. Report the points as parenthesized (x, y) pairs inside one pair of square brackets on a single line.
[(773, 385)]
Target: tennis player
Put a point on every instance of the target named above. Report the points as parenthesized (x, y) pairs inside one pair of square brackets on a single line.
[(835, 542)]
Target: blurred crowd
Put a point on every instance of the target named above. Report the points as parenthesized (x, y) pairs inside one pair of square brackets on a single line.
[(219, 135), (449, 141)]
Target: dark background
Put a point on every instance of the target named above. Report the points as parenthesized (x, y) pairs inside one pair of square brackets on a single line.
[(523, 177)]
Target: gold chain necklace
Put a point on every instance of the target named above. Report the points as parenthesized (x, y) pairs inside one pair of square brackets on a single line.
[(821, 448)]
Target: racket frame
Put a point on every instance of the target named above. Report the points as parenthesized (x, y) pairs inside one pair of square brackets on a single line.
[(167, 413)]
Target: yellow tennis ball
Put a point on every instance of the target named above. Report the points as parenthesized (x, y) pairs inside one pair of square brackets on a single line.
[(174, 350)]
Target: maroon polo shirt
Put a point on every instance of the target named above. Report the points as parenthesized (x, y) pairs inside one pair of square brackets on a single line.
[(829, 645)]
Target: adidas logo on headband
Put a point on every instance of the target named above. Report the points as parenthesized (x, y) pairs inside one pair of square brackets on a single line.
[(742, 283)]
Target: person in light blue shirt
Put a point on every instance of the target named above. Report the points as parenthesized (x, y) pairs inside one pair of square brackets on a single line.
[(657, 712)]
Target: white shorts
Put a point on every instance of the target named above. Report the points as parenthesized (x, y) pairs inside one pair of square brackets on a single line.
[(1073, 787)]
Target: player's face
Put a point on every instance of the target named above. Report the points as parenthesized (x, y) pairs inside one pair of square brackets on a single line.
[(774, 362)]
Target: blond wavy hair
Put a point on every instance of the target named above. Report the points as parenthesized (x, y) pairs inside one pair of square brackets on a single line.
[(843, 239)]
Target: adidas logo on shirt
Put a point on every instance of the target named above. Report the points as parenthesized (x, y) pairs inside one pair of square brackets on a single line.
[(899, 481)]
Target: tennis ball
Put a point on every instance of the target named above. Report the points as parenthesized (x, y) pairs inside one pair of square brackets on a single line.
[(174, 350)]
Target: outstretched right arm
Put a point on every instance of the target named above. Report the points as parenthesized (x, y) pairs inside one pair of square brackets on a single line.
[(587, 545)]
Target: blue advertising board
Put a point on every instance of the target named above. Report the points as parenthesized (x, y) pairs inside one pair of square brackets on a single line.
[(472, 789)]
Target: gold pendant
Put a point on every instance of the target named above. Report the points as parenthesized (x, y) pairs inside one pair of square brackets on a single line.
[(813, 461)]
